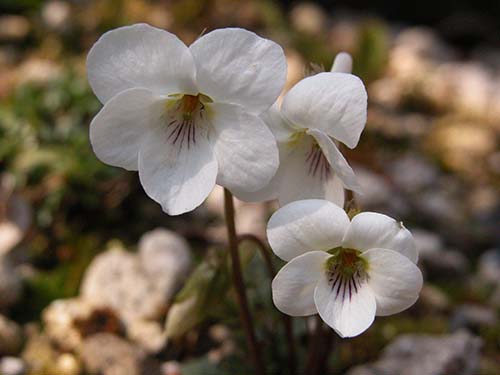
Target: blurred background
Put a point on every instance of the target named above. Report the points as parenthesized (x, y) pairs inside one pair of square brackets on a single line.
[(90, 268)]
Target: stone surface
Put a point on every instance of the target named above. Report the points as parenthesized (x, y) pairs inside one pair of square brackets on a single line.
[(413, 354), (137, 286), (426, 242), (433, 298), (107, 354), (11, 337), (165, 256), (489, 266), (10, 283), (446, 264), (68, 321), (412, 173), (376, 191), (148, 334), (473, 317), (12, 366)]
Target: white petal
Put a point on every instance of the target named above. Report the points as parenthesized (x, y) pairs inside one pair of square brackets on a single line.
[(244, 146), (336, 160), (140, 56), (394, 279), (342, 63), (293, 286), (348, 315), (334, 103), (237, 66), (304, 226), (281, 129), (117, 131), (369, 230), (301, 180), (178, 178)]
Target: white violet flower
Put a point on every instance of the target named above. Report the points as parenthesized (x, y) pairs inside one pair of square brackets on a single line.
[(316, 114), (186, 117), (347, 271)]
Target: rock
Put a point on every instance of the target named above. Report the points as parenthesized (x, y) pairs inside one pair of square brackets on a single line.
[(129, 290), (148, 334), (446, 264), (473, 317), (38, 352), (489, 266), (433, 298), (68, 321), (67, 364), (15, 215), (139, 286), (56, 14), (107, 354), (171, 368), (13, 27), (376, 191), (308, 18), (10, 284), (11, 337), (462, 145), (166, 257), (426, 242), (414, 354), (12, 366), (412, 173)]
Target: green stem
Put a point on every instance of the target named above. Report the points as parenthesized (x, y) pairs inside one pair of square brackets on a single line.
[(287, 321), (239, 286)]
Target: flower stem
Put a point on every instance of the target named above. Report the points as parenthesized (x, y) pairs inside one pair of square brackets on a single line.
[(287, 320), (245, 316)]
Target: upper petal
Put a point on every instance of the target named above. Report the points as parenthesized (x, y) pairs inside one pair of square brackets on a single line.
[(140, 56), (244, 147), (237, 66), (293, 286), (348, 313), (342, 63), (174, 175), (301, 180), (335, 103), (394, 279), (336, 160), (304, 226), (117, 131), (370, 230), (280, 128)]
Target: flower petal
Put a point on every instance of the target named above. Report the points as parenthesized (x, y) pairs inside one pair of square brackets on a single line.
[(297, 182), (334, 103), (370, 230), (342, 63), (244, 147), (179, 178), (140, 56), (394, 279), (237, 66), (348, 314), (336, 160), (280, 128), (293, 286), (117, 131), (304, 226)]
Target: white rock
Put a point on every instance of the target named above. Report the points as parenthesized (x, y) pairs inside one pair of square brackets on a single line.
[(12, 366), (10, 284), (11, 337), (139, 286), (59, 321)]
